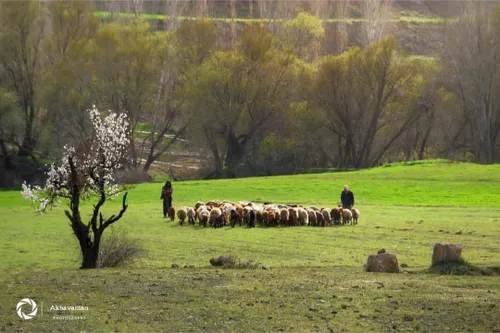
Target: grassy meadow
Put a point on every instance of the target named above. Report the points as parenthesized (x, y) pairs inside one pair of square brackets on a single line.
[(316, 280)]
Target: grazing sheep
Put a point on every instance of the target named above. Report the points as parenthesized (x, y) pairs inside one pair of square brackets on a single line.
[(191, 214), (293, 217), (336, 214), (234, 217), (271, 217), (199, 209), (355, 216), (346, 216), (214, 203), (326, 216), (171, 213), (219, 221), (258, 216), (265, 217), (284, 216), (181, 215), (228, 208), (312, 217), (246, 214), (277, 216), (198, 204), (240, 211), (203, 217), (303, 218), (320, 219), (214, 213), (251, 219)]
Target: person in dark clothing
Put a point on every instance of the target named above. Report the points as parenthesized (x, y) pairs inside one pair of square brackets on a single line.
[(347, 198), (166, 195)]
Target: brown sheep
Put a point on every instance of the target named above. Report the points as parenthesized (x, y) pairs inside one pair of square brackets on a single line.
[(239, 209), (214, 203), (271, 217), (258, 217), (181, 215), (265, 218), (320, 219), (293, 219), (312, 217), (171, 213), (336, 215), (214, 214), (284, 216), (234, 217)]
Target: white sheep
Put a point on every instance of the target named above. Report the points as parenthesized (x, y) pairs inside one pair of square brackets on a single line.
[(313, 221), (203, 217), (326, 216), (355, 216), (346, 216), (191, 214), (303, 217)]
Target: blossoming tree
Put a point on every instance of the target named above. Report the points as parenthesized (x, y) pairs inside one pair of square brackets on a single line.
[(86, 172)]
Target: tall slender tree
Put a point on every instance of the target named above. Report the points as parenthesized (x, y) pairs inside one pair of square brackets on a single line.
[(22, 29)]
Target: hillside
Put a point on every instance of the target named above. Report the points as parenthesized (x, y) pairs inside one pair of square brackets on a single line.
[(418, 25)]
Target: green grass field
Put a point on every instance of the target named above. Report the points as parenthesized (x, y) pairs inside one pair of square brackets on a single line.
[(316, 281)]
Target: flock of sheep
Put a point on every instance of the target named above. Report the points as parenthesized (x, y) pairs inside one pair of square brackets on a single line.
[(217, 214)]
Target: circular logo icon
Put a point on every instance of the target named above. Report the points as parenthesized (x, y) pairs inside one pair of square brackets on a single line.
[(30, 302)]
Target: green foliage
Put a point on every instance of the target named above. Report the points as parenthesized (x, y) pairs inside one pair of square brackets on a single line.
[(366, 98), (8, 107), (304, 34), (237, 95), (194, 41), (307, 23), (256, 43)]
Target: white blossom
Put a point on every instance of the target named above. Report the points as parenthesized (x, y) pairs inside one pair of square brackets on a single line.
[(95, 163)]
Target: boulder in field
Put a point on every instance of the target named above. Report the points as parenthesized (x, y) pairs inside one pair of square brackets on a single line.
[(443, 252), (382, 262)]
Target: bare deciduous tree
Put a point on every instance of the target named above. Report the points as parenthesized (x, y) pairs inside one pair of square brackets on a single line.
[(375, 14), (471, 56), (22, 28), (364, 96)]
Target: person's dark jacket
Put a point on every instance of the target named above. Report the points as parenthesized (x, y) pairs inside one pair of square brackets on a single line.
[(347, 198)]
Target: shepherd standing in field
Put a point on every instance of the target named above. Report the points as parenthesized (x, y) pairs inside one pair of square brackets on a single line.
[(347, 198), (166, 195)]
